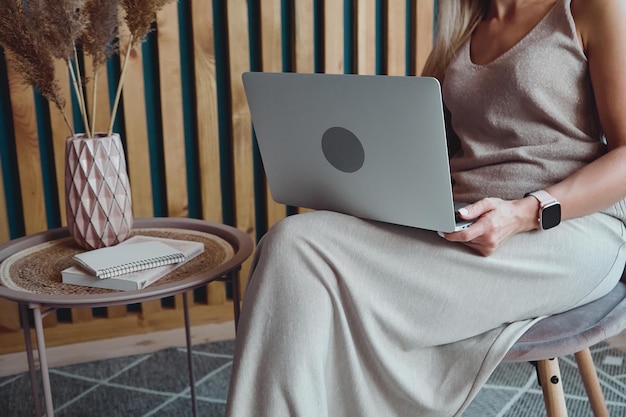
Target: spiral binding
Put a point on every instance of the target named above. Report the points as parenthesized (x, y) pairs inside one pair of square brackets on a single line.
[(129, 267)]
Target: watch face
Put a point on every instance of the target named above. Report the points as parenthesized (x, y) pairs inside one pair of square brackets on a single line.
[(550, 216)]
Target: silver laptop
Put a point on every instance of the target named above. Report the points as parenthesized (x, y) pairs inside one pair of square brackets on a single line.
[(370, 146)]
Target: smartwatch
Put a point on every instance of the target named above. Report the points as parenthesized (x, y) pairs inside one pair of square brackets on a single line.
[(549, 209)]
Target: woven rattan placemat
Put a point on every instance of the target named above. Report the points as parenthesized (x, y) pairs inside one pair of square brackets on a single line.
[(38, 269)]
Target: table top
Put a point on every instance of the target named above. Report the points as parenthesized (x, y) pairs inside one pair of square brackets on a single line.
[(31, 265)]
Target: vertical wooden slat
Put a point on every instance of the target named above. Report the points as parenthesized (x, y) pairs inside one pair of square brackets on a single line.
[(28, 156), (60, 132), (172, 110), (9, 315), (271, 34), (333, 37), (6, 127), (304, 43), (4, 216), (425, 10), (114, 312), (241, 123), (206, 99), (138, 157), (366, 37), (81, 315), (24, 125), (178, 302), (101, 124), (396, 37), (305, 37), (5, 232), (150, 307), (27, 147), (137, 149), (208, 139)]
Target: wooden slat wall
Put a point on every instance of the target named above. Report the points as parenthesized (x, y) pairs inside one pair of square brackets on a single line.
[(191, 150)]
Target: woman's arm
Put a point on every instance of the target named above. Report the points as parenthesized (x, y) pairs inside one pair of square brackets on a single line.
[(601, 25)]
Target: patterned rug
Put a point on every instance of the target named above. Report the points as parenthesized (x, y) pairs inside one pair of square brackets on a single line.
[(142, 386)]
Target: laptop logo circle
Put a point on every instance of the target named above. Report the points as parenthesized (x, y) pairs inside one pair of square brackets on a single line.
[(343, 149)]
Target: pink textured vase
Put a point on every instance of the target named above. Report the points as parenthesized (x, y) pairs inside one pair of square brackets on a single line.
[(97, 191)]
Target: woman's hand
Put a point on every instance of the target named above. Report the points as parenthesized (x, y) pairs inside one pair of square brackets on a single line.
[(496, 220)]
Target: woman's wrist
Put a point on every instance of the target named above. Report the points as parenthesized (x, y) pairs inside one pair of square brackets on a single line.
[(528, 213)]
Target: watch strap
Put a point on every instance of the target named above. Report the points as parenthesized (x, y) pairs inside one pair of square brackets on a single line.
[(542, 196)]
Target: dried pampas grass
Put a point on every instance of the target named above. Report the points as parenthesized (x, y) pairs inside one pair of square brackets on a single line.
[(35, 32), (28, 54), (59, 24), (100, 39), (139, 15)]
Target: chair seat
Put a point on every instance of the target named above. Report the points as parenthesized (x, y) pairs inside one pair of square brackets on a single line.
[(574, 330)]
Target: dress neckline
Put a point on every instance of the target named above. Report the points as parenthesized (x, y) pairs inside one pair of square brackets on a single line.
[(531, 34)]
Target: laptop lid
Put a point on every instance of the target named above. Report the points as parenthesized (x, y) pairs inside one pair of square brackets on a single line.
[(370, 146)]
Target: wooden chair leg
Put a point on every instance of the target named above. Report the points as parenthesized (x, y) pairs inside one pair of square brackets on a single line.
[(550, 379), (590, 380)]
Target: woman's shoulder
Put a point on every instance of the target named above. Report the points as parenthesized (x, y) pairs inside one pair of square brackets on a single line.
[(584, 9), (594, 16)]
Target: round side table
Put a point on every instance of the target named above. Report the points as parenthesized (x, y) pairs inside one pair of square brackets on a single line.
[(30, 275)]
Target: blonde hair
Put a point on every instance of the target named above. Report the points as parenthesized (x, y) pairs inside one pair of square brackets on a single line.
[(456, 21)]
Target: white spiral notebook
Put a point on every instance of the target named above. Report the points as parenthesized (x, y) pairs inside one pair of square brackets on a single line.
[(128, 257), (131, 265)]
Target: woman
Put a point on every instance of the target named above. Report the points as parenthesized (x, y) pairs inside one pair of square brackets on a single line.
[(348, 317)]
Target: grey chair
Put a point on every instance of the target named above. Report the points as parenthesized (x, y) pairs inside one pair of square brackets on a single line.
[(572, 332)]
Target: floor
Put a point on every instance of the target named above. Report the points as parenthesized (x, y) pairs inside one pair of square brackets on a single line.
[(139, 386), (85, 376), (142, 391), (152, 384), (14, 363)]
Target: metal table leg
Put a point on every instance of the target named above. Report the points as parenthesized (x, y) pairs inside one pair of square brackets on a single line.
[(192, 382), (34, 385), (43, 361), (234, 278)]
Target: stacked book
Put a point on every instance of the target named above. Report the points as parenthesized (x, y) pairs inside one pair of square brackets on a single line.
[(131, 265)]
